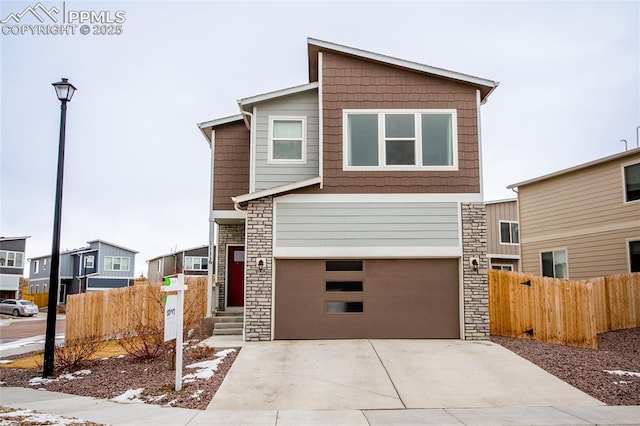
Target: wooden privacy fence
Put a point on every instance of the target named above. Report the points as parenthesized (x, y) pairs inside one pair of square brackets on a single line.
[(113, 313), (40, 299), (562, 311)]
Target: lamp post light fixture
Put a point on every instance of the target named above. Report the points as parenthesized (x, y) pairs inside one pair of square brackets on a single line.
[(64, 91)]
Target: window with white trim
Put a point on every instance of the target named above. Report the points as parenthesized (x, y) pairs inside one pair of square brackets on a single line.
[(196, 263), (509, 232), (116, 263), (11, 259), (89, 262), (502, 267), (287, 140), (554, 264), (36, 266), (400, 140), (634, 256), (632, 182)]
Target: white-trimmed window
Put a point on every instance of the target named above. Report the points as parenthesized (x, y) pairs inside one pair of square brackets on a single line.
[(11, 259), (400, 139), (509, 232), (196, 263), (631, 174), (634, 256), (500, 267), (36, 266), (89, 262), (116, 263), (553, 263), (287, 140)]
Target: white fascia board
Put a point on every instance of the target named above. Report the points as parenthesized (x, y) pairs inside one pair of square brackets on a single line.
[(404, 63), (220, 121), (277, 94), (14, 238), (277, 190), (381, 198), (620, 155), (366, 252), (226, 214), (206, 127)]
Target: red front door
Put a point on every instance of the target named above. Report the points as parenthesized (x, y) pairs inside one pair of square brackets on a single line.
[(235, 268)]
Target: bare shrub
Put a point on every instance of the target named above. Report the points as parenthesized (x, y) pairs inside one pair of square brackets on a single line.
[(73, 355), (201, 351), (144, 342)]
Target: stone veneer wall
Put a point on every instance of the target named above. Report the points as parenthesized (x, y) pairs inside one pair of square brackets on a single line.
[(258, 284), (475, 284), (227, 235)]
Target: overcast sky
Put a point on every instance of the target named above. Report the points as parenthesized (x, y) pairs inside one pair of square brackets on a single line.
[(137, 167)]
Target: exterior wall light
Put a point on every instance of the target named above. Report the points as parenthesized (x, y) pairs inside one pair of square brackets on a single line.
[(260, 263)]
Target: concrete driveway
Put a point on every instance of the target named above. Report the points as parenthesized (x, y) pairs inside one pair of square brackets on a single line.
[(387, 374)]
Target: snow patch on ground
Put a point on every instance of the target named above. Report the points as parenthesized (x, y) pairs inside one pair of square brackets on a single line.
[(29, 417), (623, 373), (130, 396), (69, 376), (206, 369)]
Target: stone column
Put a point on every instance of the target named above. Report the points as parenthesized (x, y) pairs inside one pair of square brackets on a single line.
[(475, 284), (258, 284)]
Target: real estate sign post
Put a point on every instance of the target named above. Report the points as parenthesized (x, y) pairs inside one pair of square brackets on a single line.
[(173, 319)]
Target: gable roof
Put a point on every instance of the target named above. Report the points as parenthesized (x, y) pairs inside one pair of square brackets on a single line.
[(602, 160), (314, 46)]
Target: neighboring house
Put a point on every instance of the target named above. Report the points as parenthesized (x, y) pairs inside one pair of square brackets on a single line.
[(11, 265), (191, 262), (99, 266), (351, 206), (584, 221), (503, 236)]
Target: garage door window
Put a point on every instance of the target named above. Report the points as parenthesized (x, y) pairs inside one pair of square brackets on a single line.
[(337, 286), (343, 307)]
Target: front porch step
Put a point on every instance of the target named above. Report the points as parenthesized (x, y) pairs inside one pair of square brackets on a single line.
[(228, 322)]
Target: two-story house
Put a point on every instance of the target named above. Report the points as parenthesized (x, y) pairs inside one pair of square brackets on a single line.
[(11, 265), (584, 221), (191, 262), (99, 266), (503, 235), (351, 206)]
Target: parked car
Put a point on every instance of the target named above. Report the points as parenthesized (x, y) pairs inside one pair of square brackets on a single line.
[(18, 307)]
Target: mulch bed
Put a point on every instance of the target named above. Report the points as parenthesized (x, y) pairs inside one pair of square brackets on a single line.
[(112, 377), (586, 369)]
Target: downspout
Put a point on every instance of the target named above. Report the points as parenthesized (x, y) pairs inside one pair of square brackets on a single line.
[(210, 284)]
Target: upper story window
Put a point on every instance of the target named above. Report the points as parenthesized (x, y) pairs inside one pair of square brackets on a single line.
[(196, 263), (509, 233), (116, 263), (36, 266), (89, 262), (632, 182), (11, 259), (400, 140), (554, 264), (287, 140)]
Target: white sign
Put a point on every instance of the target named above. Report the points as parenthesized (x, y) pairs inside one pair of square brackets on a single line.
[(170, 317)]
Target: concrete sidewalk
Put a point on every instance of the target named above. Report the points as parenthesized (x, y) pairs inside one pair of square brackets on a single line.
[(113, 413)]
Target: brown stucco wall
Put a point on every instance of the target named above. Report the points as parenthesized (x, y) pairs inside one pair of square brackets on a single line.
[(352, 83), (231, 167)]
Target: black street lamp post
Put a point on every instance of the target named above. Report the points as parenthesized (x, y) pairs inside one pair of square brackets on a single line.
[(64, 91)]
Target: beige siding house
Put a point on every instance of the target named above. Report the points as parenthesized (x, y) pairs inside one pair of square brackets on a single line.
[(503, 235), (584, 221)]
